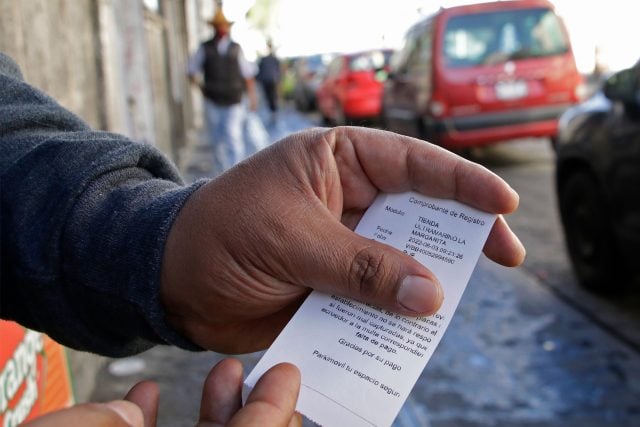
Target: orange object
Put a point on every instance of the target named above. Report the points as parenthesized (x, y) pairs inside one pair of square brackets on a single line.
[(34, 375)]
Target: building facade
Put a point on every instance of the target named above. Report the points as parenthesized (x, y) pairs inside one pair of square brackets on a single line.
[(119, 64)]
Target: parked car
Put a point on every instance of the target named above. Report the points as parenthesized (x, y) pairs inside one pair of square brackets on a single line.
[(351, 90), (483, 73), (308, 73), (598, 184)]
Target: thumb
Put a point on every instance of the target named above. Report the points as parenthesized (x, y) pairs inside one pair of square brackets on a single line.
[(146, 395), (344, 263), (272, 402)]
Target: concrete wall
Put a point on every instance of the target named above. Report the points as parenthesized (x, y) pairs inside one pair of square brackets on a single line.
[(113, 62), (129, 93), (145, 71), (181, 108), (197, 12), (54, 43), (154, 31)]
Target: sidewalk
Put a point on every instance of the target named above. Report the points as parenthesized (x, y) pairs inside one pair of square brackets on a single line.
[(196, 159)]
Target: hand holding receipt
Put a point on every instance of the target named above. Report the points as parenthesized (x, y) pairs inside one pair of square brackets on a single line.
[(251, 246), (359, 362)]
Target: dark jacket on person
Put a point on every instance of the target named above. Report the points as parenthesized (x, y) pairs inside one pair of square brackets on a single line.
[(223, 80), (269, 69), (84, 219)]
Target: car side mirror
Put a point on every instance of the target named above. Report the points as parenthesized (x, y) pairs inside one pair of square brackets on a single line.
[(624, 87)]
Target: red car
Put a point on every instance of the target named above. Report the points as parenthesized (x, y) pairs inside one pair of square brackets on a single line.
[(478, 74), (351, 91)]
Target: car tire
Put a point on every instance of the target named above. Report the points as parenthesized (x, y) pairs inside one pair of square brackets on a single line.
[(340, 119), (383, 121), (299, 104), (326, 121), (589, 234), (425, 131)]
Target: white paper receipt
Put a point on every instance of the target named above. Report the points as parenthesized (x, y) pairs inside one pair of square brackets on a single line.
[(359, 363)]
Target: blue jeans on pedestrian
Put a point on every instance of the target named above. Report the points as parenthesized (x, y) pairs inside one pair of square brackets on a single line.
[(224, 128)]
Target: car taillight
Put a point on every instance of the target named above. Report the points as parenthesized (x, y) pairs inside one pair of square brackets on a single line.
[(580, 92), (437, 108)]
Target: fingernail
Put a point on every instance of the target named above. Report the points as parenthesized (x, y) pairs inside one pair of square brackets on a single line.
[(516, 196), (127, 411), (420, 295), (522, 249)]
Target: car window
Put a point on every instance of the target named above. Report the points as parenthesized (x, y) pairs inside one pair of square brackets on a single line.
[(398, 61), (368, 61), (624, 86), (314, 63), (496, 37), (334, 67), (420, 58)]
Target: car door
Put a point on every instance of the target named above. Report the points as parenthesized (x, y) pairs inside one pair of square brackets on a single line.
[(623, 133), (326, 94), (401, 100)]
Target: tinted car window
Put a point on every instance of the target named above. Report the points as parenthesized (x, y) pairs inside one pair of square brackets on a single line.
[(369, 61), (424, 54), (314, 63), (398, 61), (420, 57), (495, 37), (334, 67)]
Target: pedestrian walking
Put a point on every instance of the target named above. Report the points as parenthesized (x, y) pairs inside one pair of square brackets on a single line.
[(226, 77), (269, 79)]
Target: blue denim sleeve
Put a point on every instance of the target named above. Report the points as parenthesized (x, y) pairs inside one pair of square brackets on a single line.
[(84, 220)]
